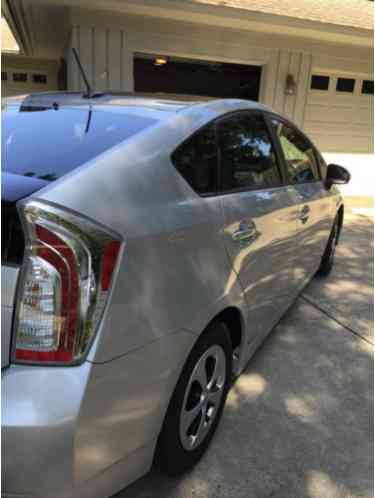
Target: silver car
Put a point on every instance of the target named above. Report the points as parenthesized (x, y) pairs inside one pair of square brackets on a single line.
[(149, 247)]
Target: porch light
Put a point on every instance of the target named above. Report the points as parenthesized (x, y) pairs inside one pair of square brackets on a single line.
[(290, 85), (160, 61)]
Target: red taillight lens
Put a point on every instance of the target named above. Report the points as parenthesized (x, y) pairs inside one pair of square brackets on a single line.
[(67, 273)]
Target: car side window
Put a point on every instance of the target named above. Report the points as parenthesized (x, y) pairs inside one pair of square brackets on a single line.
[(298, 153), (196, 160), (247, 156)]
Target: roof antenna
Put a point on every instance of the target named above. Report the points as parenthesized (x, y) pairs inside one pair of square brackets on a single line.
[(88, 95)]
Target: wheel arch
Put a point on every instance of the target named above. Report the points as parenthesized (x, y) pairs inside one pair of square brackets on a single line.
[(233, 318)]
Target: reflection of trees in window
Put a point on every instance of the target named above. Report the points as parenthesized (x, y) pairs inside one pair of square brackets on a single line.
[(247, 155), (196, 161), (49, 177), (299, 156)]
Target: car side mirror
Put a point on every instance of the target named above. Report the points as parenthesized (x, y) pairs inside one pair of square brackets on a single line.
[(337, 175)]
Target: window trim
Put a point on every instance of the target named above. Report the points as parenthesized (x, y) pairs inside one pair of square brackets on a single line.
[(277, 146), (350, 92), (20, 74), (311, 89), (363, 81), (36, 75), (271, 115)]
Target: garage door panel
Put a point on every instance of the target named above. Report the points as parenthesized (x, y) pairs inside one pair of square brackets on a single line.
[(340, 122), (342, 143), (363, 115), (328, 114), (317, 98), (360, 129)]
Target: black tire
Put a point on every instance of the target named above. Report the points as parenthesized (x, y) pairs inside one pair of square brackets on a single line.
[(328, 258), (171, 456)]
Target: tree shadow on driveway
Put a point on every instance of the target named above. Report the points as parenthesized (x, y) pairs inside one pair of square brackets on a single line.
[(298, 421)]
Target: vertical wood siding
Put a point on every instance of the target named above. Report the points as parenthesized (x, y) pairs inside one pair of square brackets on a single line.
[(107, 57), (104, 57), (297, 64), (114, 59)]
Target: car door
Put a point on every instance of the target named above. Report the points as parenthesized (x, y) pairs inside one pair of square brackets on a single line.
[(315, 206), (259, 215)]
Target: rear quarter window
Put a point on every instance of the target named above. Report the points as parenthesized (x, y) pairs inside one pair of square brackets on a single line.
[(196, 161)]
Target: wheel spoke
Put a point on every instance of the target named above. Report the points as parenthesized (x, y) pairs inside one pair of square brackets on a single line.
[(188, 416), (218, 374), (203, 427), (201, 374)]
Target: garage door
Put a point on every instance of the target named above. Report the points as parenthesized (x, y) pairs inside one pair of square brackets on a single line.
[(339, 113), (19, 82), (154, 73)]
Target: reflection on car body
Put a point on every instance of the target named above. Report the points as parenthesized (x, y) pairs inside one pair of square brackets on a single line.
[(149, 246)]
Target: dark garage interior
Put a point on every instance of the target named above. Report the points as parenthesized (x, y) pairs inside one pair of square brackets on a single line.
[(154, 73)]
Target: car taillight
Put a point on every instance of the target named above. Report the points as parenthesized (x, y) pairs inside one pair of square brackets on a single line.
[(67, 273)]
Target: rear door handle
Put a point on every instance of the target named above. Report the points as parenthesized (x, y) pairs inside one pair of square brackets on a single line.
[(304, 214), (246, 232)]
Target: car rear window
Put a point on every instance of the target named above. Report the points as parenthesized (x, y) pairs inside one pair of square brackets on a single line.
[(47, 143)]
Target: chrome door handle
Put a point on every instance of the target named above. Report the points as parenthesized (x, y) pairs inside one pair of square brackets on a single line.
[(304, 214), (246, 232)]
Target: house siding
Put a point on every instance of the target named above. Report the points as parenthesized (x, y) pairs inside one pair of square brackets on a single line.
[(12, 63), (107, 57), (107, 45)]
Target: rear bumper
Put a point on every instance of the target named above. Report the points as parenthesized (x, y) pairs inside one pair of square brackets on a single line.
[(40, 406), (87, 431)]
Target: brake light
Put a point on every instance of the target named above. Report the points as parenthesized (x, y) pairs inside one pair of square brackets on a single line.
[(67, 272)]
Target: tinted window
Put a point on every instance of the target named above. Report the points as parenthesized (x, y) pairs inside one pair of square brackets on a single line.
[(298, 153), (40, 78), (47, 143), (247, 156), (368, 87), (196, 161), (20, 77), (319, 82), (345, 85)]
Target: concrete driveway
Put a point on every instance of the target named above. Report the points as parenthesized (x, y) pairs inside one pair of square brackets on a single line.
[(298, 422)]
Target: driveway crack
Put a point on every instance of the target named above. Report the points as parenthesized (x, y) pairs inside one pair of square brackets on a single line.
[(332, 317)]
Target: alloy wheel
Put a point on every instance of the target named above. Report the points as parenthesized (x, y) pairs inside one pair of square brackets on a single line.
[(203, 395)]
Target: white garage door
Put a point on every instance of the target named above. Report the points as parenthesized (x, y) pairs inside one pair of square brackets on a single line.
[(15, 81), (339, 113)]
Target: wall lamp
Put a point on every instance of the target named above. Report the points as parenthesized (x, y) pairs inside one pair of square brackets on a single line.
[(160, 61), (290, 85)]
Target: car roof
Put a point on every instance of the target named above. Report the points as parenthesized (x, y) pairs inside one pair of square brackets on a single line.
[(170, 103)]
